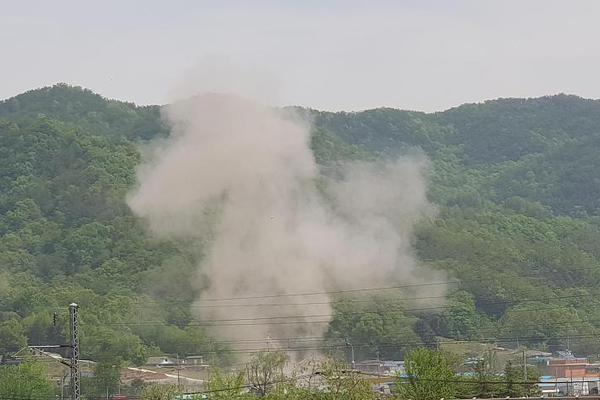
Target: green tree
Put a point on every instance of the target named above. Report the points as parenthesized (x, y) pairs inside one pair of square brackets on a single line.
[(159, 392), (107, 376), (265, 371), (224, 386), (342, 384), (511, 376), (429, 377), (26, 381), (12, 336)]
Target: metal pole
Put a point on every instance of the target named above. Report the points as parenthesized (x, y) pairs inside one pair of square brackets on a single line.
[(178, 381), (75, 375), (525, 373), (349, 344)]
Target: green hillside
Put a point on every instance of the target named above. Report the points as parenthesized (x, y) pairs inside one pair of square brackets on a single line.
[(517, 185), (518, 224)]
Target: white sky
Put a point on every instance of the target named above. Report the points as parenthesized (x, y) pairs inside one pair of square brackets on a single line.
[(414, 54)]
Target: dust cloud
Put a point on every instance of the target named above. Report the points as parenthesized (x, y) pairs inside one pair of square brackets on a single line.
[(242, 177)]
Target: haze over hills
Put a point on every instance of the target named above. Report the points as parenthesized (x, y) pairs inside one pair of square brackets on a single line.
[(515, 183)]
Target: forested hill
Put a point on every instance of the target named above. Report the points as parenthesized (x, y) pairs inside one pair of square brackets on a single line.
[(540, 149), (515, 180)]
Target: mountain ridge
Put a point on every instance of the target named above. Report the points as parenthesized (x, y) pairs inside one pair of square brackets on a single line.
[(517, 192)]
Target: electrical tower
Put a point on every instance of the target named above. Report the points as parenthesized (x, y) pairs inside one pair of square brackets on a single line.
[(75, 374)]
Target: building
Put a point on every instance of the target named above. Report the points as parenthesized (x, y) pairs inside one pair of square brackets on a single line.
[(7, 360), (583, 386), (379, 367), (195, 360), (567, 367), (162, 361), (568, 375)]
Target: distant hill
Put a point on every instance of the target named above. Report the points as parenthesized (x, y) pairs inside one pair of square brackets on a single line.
[(87, 110), (549, 141), (515, 182)]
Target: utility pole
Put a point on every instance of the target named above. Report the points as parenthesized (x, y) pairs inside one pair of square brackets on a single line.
[(75, 374), (73, 363), (178, 368), (62, 386), (349, 344), (524, 366), (525, 373)]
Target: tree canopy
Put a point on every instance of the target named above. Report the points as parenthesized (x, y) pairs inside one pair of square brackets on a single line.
[(518, 224)]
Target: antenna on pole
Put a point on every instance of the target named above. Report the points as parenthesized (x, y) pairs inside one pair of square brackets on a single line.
[(75, 374)]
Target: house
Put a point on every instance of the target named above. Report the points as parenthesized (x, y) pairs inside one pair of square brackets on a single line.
[(569, 375), (162, 361), (195, 360), (552, 386), (393, 367), (567, 367), (538, 357), (6, 360), (380, 367)]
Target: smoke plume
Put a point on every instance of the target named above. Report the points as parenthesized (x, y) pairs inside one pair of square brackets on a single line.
[(242, 177)]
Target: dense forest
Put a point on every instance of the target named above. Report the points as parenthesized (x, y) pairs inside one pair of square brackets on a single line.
[(517, 225)]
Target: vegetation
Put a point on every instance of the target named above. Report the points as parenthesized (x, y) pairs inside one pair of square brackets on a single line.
[(518, 218), (327, 379), (26, 381), (518, 224), (429, 377), (264, 370), (159, 392)]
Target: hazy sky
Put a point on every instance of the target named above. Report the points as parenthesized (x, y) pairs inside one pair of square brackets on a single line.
[(415, 54)]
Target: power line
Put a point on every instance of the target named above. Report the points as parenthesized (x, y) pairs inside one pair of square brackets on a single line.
[(324, 339), (377, 308), (344, 301), (268, 296), (402, 344), (308, 303)]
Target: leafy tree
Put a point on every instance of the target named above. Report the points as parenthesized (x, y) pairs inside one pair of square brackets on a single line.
[(159, 392), (107, 376), (484, 379), (429, 376), (512, 375), (25, 381), (265, 370), (223, 386), (12, 336), (343, 384)]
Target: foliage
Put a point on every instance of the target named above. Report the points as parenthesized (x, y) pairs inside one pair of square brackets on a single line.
[(265, 370), (224, 386), (374, 326), (518, 224), (107, 375), (343, 384), (525, 386), (12, 336), (159, 392), (25, 381), (428, 376)]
